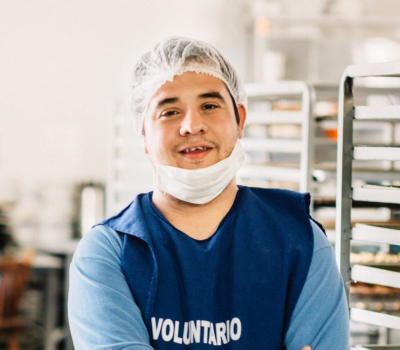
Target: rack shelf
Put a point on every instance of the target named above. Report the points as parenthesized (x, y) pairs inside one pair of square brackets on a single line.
[(372, 275), (376, 153), (378, 113), (382, 196), (375, 318), (375, 234), (129, 169), (267, 147), (267, 173), (274, 117)]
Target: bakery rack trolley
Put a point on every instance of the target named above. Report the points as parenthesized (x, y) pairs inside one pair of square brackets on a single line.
[(297, 170), (346, 194), (129, 169)]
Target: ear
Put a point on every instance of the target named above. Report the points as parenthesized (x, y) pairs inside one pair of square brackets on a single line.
[(242, 118)]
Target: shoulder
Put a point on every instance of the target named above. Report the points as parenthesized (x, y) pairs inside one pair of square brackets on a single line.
[(101, 242), (320, 239), (280, 209), (131, 219), (278, 197)]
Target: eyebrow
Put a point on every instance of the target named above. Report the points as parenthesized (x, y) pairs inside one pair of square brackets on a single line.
[(212, 94), (166, 101)]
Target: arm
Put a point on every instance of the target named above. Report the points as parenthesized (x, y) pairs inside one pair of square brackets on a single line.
[(101, 309), (320, 318)]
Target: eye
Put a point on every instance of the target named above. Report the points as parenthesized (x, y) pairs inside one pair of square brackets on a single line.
[(210, 106), (169, 113)]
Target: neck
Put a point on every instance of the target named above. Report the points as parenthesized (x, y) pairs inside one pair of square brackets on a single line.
[(198, 221)]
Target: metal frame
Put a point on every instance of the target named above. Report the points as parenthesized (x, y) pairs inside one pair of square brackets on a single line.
[(329, 92), (304, 146), (125, 156), (347, 152)]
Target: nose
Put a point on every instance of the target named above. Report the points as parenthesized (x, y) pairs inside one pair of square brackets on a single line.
[(193, 123)]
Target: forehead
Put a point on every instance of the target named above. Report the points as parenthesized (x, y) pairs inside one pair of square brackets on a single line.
[(189, 84)]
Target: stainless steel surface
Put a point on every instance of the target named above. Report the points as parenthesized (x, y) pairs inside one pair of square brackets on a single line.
[(292, 90), (274, 117), (384, 195), (307, 137), (375, 318), (322, 174), (266, 172), (373, 275), (347, 151), (129, 170), (343, 180), (376, 153), (377, 112), (374, 234), (271, 145)]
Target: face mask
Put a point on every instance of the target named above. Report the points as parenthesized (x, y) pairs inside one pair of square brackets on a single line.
[(200, 186)]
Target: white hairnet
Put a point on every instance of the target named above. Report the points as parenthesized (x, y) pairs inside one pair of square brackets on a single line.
[(174, 57)]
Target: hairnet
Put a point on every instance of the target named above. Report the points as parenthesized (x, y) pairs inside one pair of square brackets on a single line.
[(176, 56)]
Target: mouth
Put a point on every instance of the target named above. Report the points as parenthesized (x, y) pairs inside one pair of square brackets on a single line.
[(195, 153), (194, 149)]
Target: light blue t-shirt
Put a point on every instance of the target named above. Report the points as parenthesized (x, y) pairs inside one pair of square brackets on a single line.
[(104, 315)]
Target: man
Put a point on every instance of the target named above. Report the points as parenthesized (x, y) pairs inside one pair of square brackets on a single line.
[(200, 262)]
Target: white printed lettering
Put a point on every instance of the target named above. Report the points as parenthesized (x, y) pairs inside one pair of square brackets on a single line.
[(213, 333), (167, 336), (211, 338), (236, 335), (195, 331), (156, 328), (177, 339), (221, 330), (205, 325), (186, 333)]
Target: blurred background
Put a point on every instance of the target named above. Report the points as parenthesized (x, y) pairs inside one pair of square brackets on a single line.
[(68, 153)]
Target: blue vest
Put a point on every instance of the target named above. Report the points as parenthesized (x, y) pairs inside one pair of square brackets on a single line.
[(236, 289)]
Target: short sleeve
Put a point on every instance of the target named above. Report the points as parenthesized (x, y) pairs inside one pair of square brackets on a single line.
[(320, 318), (101, 309)]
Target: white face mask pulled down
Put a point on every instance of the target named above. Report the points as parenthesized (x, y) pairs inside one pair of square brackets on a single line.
[(200, 186)]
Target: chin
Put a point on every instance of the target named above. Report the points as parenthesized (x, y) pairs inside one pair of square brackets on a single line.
[(199, 164)]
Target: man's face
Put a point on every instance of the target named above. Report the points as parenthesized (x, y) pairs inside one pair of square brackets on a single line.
[(190, 122)]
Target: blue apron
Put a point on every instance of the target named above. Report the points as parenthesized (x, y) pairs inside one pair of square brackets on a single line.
[(237, 289)]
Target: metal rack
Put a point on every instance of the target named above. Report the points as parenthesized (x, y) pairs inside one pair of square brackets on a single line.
[(299, 170), (361, 170), (346, 194), (364, 131), (129, 169)]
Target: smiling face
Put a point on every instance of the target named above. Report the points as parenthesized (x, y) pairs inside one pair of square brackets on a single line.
[(190, 122)]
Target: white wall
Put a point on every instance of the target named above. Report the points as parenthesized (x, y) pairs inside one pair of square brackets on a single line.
[(63, 64)]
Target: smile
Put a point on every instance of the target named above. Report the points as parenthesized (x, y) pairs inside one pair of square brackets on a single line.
[(194, 149)]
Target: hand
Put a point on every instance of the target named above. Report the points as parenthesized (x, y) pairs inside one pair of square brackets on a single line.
[(306, 348)]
